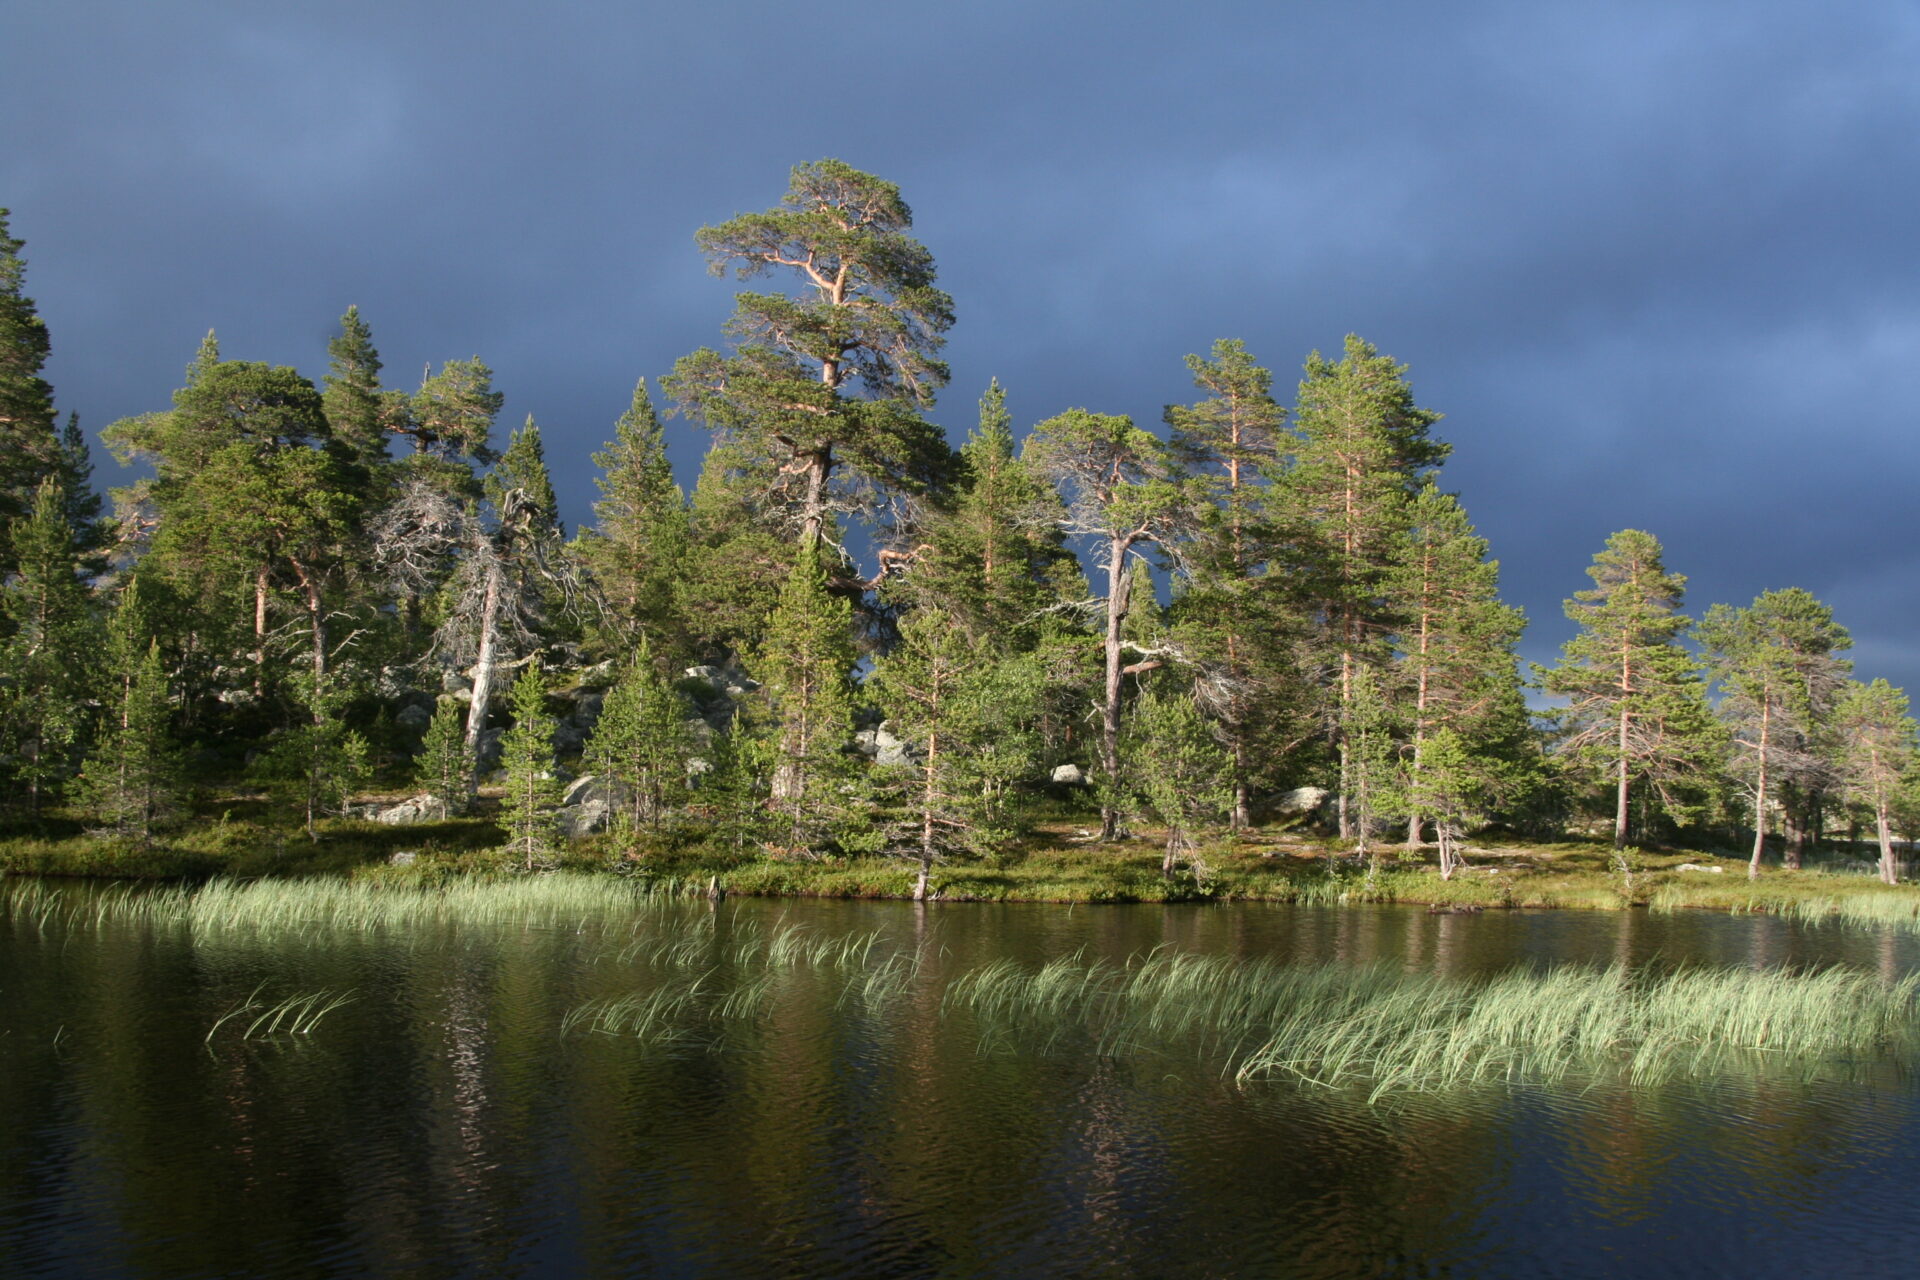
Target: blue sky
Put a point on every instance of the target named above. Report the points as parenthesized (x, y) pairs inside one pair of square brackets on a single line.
[(1656, 263)]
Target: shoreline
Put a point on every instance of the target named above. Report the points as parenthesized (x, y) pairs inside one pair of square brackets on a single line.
[(1057, 867)]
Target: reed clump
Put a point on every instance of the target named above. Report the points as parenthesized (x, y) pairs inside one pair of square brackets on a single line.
[(1388, 1031)]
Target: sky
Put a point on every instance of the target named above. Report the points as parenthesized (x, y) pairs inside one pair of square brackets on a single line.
[(1656, 263)]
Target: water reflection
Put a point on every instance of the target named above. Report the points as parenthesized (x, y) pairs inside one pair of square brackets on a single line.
[(440, 1125)]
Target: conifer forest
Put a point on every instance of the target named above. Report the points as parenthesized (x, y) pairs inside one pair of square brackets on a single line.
[(328, 604)]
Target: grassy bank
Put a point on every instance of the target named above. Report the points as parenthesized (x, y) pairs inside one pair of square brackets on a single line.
[(1058, 864)]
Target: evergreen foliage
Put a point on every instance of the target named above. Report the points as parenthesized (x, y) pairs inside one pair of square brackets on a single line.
[(1638, 708), (531, 797), (444, 768), (638, 551), (807, 660), (1178, 772), (642, 743), (133, 777), (869, 315)]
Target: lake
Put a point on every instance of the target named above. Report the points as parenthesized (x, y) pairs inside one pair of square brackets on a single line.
[(791, 1088)]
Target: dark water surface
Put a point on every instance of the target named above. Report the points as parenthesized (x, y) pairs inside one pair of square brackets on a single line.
[(444, 1124)]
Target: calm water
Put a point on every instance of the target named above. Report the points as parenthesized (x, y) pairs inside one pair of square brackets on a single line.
[(443, 1124)]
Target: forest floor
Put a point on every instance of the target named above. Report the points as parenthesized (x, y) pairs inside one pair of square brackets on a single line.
[(238, 836)]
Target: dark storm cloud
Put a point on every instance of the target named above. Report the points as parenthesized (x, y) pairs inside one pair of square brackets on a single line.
[(1654, 262)]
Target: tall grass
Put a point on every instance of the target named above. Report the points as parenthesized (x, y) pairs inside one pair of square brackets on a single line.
[(1340, 1026), (698, 977), (318, 905)]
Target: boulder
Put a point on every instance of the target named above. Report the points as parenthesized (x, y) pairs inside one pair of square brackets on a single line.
[(588, 805), (455, 683), (413, 717), (403, 858), (1070, 775), (1694, 866), (1301, 800), (421, 808)]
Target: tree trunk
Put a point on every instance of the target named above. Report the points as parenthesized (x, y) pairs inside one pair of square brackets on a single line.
[(813, 513), (1620, 798), (1118, 585), (259, 632), (1760, 796), (1889, 869), (483, 672)]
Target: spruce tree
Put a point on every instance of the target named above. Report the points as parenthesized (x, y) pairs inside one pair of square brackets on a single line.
[(131, 779), (869, 315), (639, 546), (642, 743), (1361, 449), (532, 797), (807, 661), (1637, 705), (360, 413), (52, 645), (444, 768), (739, 555), (317, 763), (1778, 667), (994, 559), (967, 719)]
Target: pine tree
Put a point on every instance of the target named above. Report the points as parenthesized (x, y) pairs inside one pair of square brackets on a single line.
[(444, 768), (1778, 667), (1872, 722), (1362, 448), (29, 447), (1451, 790), (869, 314), (1229, 611), (1637, 704), (808, 659), (642, 743), (1456, 669), (532, 797), (451, 416), (640, 544), (1118, 485), (1179, 772)]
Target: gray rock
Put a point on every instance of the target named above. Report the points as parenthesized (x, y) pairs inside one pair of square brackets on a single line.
[(1069, 775), (403, 858), (421, 808), (1694, 866), (1301, 800), (588, 805), (712, 675), (454, 682), (413, 717), (866, 742)]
